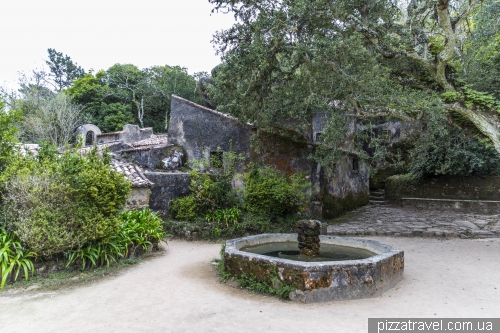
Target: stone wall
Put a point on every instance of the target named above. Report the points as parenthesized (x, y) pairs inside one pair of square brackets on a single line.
[(201, 131), (139, 198), (456, 188), (153, 157), (167, 186)]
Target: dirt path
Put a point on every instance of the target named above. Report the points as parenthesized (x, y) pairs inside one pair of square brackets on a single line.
[(179, 292)]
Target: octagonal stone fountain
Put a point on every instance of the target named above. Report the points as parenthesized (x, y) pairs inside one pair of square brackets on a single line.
[(320, 268)]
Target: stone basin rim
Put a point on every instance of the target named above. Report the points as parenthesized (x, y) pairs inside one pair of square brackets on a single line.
[(382, 251)]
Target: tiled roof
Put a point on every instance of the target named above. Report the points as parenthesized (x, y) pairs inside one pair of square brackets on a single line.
[(132, 172), (152, 141)]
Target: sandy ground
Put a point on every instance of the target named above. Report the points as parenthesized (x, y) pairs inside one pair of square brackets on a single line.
[(180, 292)]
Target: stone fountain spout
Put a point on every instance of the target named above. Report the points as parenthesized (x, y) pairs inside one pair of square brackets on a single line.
[(308, 236)]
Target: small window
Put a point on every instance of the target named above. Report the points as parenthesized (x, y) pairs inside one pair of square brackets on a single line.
[(89, 138), (355, 164), (318, 137), (216, 158)]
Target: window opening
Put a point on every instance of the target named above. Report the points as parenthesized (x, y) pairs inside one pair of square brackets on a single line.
[(89, 138)]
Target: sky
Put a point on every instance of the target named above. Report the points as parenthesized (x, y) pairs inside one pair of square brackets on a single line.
[(97, 34)]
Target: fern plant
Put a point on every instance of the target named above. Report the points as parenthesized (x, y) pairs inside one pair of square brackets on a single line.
[(13, 258)]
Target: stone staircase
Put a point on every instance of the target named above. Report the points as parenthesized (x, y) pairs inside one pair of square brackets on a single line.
[(377, 197)]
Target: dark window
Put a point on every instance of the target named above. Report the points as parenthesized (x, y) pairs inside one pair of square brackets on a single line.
[(216, 159), (386, 136), (355, 164), (318, 137), (89, 138)]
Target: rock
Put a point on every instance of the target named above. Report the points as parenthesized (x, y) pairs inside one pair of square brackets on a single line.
[(232, 282), (33, 287), (481, 223), (466, 224), (162, 246), (297, 295)]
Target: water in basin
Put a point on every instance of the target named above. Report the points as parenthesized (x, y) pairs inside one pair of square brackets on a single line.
[(327, 252)]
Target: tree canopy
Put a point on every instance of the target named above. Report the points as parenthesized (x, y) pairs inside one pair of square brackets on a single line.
[(285, 60)]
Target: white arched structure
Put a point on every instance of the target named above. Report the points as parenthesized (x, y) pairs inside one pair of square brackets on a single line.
[(89, 134)]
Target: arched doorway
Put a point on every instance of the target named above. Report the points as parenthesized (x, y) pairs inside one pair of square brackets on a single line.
[(89, 138)]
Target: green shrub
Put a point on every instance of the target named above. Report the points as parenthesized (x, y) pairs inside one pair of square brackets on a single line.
[(209, 192), (55, 203), (399, 186), (271, 193), (139, 230), (13, 258), (8, 138)]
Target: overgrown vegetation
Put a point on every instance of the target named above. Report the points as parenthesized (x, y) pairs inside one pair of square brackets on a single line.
[(67, 207), (14, 258), (139, 232), (270, 193), (54, 203), (268, 201)]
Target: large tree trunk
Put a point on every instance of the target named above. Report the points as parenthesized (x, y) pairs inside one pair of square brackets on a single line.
[(487, 123)]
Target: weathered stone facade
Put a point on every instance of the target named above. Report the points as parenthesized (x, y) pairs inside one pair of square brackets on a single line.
[(202, 131)]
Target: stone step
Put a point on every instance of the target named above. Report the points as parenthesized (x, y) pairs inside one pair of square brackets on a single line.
[(378, 192), (378, 202), (377, 196)]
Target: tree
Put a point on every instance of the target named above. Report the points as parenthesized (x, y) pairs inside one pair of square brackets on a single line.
[(144, 94), (54, 120), (63, 71), (284, 60), (8, 135)]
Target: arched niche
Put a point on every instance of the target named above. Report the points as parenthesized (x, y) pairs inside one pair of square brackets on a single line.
[(89, 134)]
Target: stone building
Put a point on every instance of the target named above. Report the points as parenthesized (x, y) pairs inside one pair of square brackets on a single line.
[(203, 132)]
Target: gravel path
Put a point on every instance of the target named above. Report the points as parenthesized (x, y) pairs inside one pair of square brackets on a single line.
[(179, 291), (398, 221)]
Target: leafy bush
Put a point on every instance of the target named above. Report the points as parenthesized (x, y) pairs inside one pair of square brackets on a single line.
[(13, 258), (209, 192), (55, 203), (8, 137), (452, 152), (139, 230), (271, 193)]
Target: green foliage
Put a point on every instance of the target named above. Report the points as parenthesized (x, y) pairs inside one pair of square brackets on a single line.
[(139, 230), (63, 70), (13, 258), (480, 99), (57, 203), (450, 151), (8, 138), (125, 93), (398, 186), (211, 190), (270, 193), (228, 216), (480, 67), (184, 208), (96, 253), (450, 97)]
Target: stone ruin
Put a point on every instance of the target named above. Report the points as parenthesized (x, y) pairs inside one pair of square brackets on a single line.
[(308, 236)]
